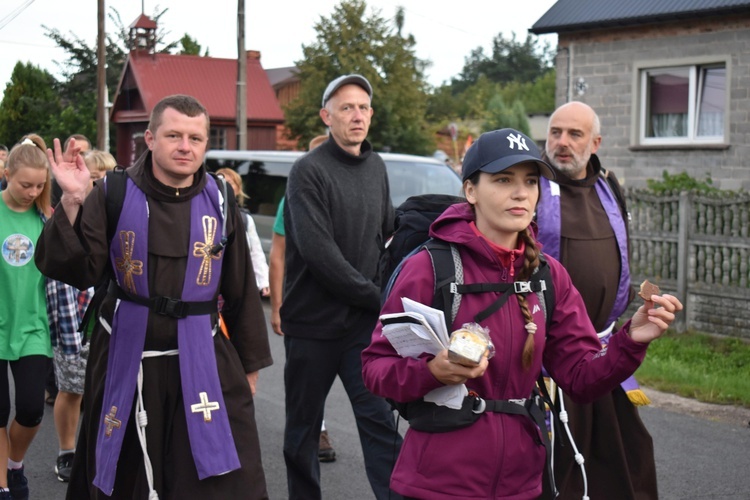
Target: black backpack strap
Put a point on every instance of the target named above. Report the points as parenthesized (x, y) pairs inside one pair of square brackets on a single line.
[(547, 295), (116, 183), (221, 183), (508, 289), (538, 415), (444, 272), (449, 286), (115, 187)]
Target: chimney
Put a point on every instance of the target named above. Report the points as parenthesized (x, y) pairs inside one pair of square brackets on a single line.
[(253, 54)]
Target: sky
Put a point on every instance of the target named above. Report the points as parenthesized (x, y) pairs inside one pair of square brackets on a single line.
[(445, 31)]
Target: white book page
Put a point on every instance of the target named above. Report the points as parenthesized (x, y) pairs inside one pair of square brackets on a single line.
[(410, 339), (434, 317)]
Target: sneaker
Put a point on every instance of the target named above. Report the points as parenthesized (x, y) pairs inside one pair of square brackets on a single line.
[(64, 466), (326, 453), (5, 495), (18, 484)]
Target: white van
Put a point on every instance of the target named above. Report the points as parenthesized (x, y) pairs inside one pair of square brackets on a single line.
[(264, 175)]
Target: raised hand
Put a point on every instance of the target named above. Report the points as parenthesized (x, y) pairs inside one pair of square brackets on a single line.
[(71, 175), (70, 170), (650, 322)]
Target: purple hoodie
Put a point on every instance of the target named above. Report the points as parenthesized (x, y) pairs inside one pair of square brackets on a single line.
[(501, 455)]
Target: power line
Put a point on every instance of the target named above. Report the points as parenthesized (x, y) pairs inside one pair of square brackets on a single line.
[(29, 44), (14, 13)]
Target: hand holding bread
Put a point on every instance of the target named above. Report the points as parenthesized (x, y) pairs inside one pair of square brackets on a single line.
[(655, 316), (648, 289)]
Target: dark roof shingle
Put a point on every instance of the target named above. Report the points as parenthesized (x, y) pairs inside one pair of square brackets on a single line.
[(575, 15)]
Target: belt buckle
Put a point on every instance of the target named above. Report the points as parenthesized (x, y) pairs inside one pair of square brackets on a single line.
[(167, 306), (482, 405)]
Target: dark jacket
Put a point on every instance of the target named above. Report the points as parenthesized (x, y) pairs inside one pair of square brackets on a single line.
[(336, 215)]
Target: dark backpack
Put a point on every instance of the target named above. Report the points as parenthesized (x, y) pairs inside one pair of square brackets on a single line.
[(411, 228), (411, 235)]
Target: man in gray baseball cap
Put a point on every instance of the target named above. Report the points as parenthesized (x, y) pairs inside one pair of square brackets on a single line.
[(346, 80), (337, 213)]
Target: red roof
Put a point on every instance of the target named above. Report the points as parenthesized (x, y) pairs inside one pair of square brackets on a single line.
[(210, 80), (144, 22)]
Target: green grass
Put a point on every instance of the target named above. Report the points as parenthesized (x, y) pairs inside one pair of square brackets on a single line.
[(699, 366)]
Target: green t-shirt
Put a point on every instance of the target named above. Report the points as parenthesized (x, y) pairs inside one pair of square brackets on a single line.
[(278, 224), (24, 327)]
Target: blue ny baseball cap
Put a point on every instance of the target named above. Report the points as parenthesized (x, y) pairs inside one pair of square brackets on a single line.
[(500, 149)]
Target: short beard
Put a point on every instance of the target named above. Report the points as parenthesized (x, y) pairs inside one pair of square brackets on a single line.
[(571, 168)]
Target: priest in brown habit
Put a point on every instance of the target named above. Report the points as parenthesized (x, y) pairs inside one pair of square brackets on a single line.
[(157, 355)]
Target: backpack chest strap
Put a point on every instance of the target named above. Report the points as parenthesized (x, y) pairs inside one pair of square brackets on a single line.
[(506, 289)]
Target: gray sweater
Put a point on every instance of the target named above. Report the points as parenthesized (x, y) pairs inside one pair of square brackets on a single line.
[(337, 215)]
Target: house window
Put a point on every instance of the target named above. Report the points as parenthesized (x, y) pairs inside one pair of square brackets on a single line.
[(683, 104), (218, 139)]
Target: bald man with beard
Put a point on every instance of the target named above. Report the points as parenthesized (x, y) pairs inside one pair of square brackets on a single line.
[(583, 222)]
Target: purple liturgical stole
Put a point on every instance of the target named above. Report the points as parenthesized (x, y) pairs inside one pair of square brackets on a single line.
[(210, 436), (549, 222)]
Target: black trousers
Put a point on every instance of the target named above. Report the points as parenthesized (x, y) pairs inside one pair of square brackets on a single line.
[(311, 367)]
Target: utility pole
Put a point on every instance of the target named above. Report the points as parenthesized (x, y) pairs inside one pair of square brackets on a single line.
[(102, 112), (241, 78)]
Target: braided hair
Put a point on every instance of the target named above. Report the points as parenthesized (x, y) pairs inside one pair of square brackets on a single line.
[(531, 262)]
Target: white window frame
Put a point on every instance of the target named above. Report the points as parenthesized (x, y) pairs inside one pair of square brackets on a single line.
[(640, 104)]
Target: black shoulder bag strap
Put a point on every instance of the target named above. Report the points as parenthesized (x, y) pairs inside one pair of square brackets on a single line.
[(114, 193)]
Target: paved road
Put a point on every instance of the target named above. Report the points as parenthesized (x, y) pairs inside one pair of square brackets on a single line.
[(697, 458)]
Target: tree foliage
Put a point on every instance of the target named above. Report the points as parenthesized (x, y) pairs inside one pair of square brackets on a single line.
[(78, 89), (511, 61), (70, 104), (351, 41), (191, 47), (499, 115), (537, 96), (494, 91), (31, 99)]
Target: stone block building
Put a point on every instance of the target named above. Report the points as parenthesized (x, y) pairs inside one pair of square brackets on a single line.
[(669, 80)]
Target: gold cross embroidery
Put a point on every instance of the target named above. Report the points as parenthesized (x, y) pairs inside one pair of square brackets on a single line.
[(126, 264), (111, 422), (203, 249), (205, 407)]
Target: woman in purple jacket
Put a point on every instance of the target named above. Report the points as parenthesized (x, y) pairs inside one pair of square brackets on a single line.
[(501, 455)]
